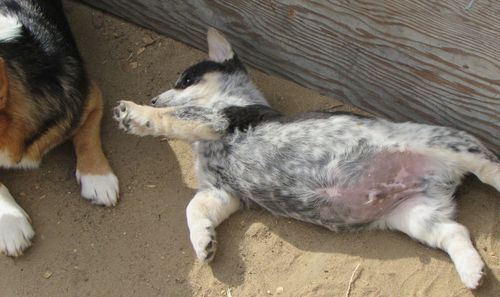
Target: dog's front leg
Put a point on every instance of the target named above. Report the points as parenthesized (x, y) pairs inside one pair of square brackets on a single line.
[(98, 182), (186, 123), (15, 228), (206, 211)]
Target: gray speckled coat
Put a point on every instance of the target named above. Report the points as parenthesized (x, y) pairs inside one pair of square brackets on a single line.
[(336, 170)]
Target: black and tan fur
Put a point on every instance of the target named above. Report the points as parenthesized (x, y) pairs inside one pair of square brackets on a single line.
[(46, 98)]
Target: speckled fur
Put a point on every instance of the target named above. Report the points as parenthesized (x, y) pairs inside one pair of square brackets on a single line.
[(339, 171)]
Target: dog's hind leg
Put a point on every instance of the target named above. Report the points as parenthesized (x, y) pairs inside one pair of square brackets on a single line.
[(466, 153), (206, 211), (93, 172), (15, 228), (488, 171), (428, 220), (483, 165), (186, 123)]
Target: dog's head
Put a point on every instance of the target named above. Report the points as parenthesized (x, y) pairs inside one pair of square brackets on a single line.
[(220, 81)]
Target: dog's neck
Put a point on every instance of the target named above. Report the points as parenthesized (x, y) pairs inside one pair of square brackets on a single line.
[(239, 90)]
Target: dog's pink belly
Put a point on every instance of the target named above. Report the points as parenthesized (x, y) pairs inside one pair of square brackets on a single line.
[(386, 181)]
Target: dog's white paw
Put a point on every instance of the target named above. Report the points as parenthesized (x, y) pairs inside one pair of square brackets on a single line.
[(132, 118), (489, 173), (471, 269), (99, 189), (203, 241), (496, 179), (15, 229)]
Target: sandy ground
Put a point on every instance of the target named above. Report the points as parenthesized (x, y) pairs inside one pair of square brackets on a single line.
[(141, 247)]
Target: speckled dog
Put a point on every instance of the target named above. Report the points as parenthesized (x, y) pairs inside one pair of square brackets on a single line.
[(336, 170)]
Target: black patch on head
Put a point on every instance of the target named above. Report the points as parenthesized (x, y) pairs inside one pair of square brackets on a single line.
[(195, 73), (243, 117)]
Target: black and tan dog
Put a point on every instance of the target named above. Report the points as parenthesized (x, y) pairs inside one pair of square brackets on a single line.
[(45, 99)]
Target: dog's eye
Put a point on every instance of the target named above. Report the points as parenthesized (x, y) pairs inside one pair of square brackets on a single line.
[(184, 82)]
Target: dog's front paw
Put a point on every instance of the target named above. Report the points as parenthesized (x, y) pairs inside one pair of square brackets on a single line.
[(15, 229), (132, 118), (99, 189), (204, 243)]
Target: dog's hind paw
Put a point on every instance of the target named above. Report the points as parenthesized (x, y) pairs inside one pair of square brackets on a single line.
[(15, 228), (204, 243), (99, 189), (470, 267)]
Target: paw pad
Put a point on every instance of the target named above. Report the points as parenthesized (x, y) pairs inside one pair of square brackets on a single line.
[(204, 243)]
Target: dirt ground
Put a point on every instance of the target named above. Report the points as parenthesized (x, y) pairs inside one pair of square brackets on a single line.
[(141, 247)]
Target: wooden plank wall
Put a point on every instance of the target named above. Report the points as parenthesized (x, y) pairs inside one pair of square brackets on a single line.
[(422, 60)]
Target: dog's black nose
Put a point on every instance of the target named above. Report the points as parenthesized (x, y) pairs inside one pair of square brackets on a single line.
[(153, 101)]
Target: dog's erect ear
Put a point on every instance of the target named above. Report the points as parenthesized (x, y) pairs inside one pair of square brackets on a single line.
[(219, 49), (4, 84)]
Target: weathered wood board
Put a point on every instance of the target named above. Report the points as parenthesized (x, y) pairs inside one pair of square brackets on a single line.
[(423, 60)]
